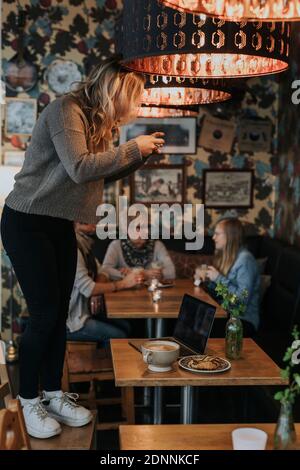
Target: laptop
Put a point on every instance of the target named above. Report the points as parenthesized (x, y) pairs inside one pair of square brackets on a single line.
[(192, 329)]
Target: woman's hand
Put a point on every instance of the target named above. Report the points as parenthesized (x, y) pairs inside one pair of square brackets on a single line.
[(154, 273), (125, 271), (150, 143), (212, 273), (131, 280)]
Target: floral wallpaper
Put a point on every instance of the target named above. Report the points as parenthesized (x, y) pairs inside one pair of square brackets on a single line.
[(83, 31), (259, 101), (287, 166)]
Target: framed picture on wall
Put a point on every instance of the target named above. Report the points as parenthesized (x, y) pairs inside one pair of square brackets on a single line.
[(20, 115), (159, 184), (180, 133), (228, 188)]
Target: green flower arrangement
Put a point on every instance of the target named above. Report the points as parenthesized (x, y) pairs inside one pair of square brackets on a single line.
[(292, 358), (235, 306), (285, 433), (232, 303)]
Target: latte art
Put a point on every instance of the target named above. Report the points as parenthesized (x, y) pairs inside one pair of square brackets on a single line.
[(160, 347)]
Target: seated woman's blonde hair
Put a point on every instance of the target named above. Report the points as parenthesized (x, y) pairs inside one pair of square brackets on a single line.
[(234, 233)]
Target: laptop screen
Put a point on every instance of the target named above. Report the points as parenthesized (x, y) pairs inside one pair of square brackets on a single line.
[(194, 323)]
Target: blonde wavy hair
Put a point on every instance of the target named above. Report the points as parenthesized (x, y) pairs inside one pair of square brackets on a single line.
[(108, 97), (234, 234)]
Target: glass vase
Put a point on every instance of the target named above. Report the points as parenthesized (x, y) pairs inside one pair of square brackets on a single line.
[(234, 338), (285, 434)]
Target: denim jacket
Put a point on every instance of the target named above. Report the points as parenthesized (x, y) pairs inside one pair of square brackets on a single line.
[(244, 275)]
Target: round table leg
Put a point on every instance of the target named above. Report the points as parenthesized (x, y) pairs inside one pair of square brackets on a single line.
[(186, 405), (159, 328), (157, 418)]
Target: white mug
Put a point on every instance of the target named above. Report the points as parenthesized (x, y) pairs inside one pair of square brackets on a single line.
[(249, 439), (160, 354)]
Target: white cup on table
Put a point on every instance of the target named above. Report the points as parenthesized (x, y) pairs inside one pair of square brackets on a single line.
[(249, 439), (200, 274), (138, 270)]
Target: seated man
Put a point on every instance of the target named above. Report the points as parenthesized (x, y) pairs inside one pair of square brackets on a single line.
[(124, 255), (86, 320)]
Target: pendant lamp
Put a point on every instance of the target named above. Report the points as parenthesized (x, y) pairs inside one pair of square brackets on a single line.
[(167, 111), (262, 10), (162, 41), (179, 91), (166, 91)]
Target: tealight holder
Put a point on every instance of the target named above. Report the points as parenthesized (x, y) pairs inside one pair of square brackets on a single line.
[(154, 285), (156, 295)]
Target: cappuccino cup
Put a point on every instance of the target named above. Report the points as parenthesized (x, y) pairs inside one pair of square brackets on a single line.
[(160, 355)]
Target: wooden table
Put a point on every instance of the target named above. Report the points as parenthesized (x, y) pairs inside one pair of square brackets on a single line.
[(254, 368), (138, 303), (188, 437)]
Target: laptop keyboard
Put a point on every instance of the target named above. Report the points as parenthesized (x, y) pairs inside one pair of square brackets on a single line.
[(184, 351)]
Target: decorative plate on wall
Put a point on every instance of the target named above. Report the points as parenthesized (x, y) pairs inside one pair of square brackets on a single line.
[(61, 74)]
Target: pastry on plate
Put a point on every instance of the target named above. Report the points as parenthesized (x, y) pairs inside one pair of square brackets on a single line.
[(205, 363)]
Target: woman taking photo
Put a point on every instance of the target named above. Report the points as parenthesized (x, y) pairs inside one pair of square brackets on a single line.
[(235, 267), (62, 181)]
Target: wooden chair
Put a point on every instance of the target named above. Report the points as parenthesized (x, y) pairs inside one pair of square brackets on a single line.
[(13, 434), (85, 363), (5, 389)]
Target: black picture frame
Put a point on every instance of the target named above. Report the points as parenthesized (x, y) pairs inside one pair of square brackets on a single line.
[(228, 188), (169, 173), (180, 133)]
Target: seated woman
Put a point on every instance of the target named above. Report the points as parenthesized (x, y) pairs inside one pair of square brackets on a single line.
[(152, 255), (236, 267), (85, 321)]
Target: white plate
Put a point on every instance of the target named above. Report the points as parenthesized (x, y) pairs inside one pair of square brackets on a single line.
[(184, 360)]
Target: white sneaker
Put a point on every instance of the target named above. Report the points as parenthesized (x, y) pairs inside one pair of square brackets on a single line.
[(38, 423), (63, 407)]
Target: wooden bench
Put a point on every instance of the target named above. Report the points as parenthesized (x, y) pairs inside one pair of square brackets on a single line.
[(83, 438)]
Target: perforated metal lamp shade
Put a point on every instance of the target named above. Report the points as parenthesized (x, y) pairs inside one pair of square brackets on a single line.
[(263, 10), (163, 41), (166, 91), (167, 111)]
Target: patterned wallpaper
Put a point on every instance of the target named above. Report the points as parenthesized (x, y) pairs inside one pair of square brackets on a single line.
[(287, 213), (83, 31)]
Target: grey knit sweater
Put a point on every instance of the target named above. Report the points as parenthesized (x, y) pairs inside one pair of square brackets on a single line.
[(60, 176)]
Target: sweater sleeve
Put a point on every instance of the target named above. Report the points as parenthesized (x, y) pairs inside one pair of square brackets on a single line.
[(83, 166), (68, 131), (123, 173), (161, 254), (244, 278), (111, 261), (83, 281)]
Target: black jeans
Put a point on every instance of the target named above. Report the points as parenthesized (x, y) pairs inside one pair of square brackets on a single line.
[(43, 253)]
